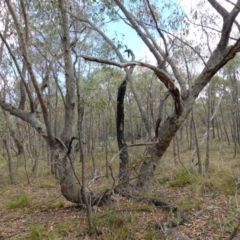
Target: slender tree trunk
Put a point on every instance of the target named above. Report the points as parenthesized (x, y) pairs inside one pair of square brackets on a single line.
[(224, 126), (123, 168), (9, 160), (199, 163), (209, 111)]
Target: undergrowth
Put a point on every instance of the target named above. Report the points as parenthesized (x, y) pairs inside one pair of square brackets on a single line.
[(19, 201)]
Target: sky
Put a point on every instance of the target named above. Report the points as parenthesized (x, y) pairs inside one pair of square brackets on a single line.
[(132, 40)]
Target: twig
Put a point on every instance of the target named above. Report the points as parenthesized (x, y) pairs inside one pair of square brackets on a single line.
[(114, 181), (127, 210), (132, 145), (235, 230)]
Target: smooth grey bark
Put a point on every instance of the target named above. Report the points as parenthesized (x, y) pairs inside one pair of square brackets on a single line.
[(209, 111), (9, 159), (57, 148), (69, 76)]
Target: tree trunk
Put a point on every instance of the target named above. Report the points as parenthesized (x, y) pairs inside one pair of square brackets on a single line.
[(9, 159), (123, 171), (155, 152)]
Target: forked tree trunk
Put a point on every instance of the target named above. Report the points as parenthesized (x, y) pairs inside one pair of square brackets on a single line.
[(67, 179), (155, 152)]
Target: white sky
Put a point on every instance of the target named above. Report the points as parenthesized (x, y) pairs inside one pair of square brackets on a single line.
[(190, 7)]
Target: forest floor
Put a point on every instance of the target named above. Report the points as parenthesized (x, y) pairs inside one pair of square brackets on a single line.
[(36, 210)]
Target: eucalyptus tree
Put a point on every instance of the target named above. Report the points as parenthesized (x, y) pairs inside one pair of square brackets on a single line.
[(58, 40), (231, 75), (220, 42), (41, 43)]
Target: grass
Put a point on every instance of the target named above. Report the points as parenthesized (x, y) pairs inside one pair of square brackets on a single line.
[(50, 218), (187, 205), (55, 204), (182, 178), (118, 225), (18, 202), (46, 183)]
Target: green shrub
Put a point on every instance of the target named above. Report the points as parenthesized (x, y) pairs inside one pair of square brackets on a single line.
[(182, 178)]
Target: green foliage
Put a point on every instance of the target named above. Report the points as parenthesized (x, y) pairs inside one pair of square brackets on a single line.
[(19, 201), (50, 232), (151, 232), (221, 182), (182, 178)]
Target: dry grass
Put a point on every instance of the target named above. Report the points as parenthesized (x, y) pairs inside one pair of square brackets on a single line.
[(38, 211)]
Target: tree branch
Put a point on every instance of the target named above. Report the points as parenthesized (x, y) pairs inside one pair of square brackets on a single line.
[(19, 72), (135, 26), (25, 53), (219, 8), (163, 77), (25, 116)]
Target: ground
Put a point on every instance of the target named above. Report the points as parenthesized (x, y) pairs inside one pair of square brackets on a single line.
[(36, 210)]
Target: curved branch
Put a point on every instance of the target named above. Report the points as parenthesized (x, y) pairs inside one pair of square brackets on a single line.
[(25, 53), (25, 116), (136, 27), (163, 76), (19, 72), (228, 20), (219, 8), (104, 36)]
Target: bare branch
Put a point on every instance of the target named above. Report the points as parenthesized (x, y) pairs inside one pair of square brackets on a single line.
[(163, 76), (219, 8), (136, 27), (25, 116), (228, 20), (132, 145), (237, 6), (157, 27), (22, 42), (19, 72)]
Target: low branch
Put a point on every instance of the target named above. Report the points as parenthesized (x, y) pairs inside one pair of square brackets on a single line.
[(132, 145), (163, 77)]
